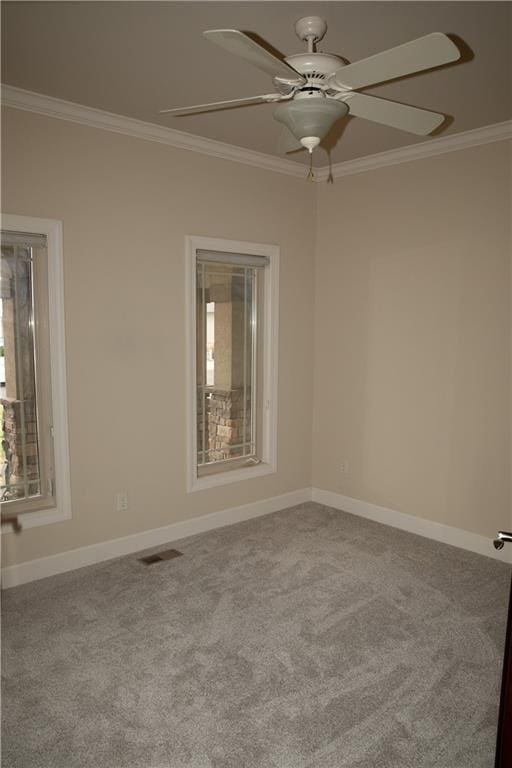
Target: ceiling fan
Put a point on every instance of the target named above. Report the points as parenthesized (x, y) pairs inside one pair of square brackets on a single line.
[(319, 88)]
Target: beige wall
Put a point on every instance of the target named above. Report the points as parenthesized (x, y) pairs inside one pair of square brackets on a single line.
[(412, 340), (127, 205)]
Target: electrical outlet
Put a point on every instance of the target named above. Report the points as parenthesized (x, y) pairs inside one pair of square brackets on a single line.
[(345, 467), (122, 501)]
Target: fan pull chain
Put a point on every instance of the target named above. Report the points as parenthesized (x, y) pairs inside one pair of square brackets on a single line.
[(311, 175)]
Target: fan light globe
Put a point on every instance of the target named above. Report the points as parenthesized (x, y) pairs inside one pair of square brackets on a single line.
[(310, 120)]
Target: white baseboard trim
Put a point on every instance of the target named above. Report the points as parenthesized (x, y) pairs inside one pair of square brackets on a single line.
[(420, 526), (32, 570)]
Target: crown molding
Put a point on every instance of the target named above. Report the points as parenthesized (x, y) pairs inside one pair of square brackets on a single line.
[(473, 138), (18, 98)]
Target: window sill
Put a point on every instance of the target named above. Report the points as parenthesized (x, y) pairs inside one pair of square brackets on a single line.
[(230, 476)]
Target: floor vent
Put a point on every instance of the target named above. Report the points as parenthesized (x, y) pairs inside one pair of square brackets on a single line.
[(157, 557)]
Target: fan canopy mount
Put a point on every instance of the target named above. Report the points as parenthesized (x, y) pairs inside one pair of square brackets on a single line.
[(310, 28)]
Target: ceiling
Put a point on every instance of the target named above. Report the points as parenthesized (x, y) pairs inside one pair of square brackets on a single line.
[(134, 58)]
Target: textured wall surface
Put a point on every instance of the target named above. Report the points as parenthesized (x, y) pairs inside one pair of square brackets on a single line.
[(126, 206), (412, 371), (410, 338)]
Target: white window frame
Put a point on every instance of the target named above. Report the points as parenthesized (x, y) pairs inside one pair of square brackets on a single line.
[(268, 464), (52, 228)]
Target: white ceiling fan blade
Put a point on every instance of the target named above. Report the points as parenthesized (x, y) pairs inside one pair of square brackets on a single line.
[(221, 105), (424, 53), (411, 119), (237, 42)]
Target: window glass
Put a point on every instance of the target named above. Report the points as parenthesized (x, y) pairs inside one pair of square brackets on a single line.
[(25, 460), (226, 363)]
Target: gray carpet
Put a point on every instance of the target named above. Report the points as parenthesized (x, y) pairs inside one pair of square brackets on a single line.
[(304, 639)]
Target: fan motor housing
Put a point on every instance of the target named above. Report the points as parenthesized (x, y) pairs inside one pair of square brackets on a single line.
[(315, 66)]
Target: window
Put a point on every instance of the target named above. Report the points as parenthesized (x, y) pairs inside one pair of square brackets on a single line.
[(232, 360), (34, 474), (26, 455)]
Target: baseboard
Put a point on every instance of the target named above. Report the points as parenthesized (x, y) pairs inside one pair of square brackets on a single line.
[(431, 530), (32, 570)]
